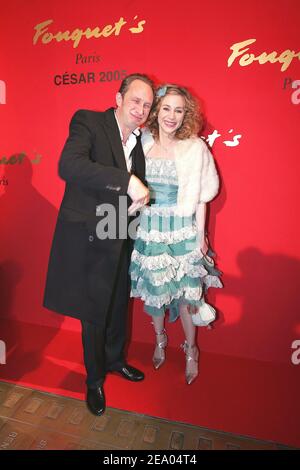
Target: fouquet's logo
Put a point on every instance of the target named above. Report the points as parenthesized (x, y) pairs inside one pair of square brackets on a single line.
[(2, 92), (240, 50), (45, 36)]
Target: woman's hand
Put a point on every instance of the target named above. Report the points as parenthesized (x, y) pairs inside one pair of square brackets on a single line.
[(204, 244), (192, 309)]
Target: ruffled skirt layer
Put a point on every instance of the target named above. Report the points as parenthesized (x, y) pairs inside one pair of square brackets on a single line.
[(167, 268)]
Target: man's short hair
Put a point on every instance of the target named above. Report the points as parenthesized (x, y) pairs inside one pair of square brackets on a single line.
[(135, 76)]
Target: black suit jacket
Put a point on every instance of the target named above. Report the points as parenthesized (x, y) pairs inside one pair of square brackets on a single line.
[(82, 268)]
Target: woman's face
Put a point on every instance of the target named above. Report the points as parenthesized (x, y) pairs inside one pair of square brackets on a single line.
[(171, 113)]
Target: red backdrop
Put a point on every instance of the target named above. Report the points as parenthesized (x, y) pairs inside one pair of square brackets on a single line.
[(253, 223)]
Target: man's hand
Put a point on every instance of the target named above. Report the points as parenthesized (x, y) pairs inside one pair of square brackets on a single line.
[(139, 194)]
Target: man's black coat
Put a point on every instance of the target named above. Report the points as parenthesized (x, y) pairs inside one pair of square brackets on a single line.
[(82, 268)]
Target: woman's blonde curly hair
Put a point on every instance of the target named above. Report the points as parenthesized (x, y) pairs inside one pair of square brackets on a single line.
[(192, 121)]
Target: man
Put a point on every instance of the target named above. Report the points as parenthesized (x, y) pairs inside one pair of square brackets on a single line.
[(88, 276)]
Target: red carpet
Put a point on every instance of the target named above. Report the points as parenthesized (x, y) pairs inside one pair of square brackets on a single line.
[(235, 395)]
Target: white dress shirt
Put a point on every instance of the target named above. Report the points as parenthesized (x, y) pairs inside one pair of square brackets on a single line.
[(129, 145)]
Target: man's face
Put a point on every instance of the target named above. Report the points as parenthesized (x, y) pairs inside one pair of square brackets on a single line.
[(134, 107)]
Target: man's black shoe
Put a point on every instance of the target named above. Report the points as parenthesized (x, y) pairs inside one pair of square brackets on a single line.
[(95, 400), (130, 373)]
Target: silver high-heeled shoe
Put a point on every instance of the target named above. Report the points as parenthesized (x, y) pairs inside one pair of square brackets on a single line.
[(159, 355), (191, 356)]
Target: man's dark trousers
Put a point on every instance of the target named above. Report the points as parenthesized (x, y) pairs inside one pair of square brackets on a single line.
[(103, 345)]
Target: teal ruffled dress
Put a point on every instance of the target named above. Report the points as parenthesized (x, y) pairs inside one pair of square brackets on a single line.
[(166, 266)]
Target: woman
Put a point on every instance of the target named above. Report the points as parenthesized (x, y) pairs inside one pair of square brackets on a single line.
[(169, 267)]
